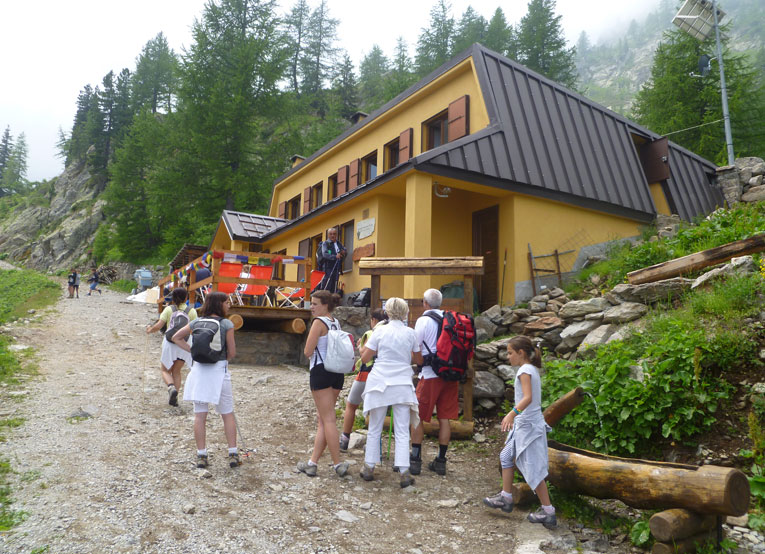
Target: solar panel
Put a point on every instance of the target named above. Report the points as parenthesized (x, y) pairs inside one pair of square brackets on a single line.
[(697, 18)]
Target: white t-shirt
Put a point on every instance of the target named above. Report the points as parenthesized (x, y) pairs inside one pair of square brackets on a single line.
[(394, 344), (426, 331)]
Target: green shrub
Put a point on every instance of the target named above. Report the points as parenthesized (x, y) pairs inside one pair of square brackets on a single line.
[(123, 285), (730, 298), (25, 289)]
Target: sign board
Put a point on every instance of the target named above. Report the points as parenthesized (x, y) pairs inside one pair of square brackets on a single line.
[(365, 228)]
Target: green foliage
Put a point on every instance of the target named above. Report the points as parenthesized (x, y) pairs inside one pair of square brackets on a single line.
[(9, 423), (24, 290), (640, 534), (8, 517), (123, 285), (680, 358)]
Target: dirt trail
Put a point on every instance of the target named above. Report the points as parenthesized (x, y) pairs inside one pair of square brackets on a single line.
[(123, 480)]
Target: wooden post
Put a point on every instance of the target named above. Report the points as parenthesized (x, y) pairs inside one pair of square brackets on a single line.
[(467, 388), (215, 269), (374, 300), (557, 265), (531, 269), (563, 405)]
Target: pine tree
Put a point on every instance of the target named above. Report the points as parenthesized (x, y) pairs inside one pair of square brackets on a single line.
[(62, 144), (123, 112), (401, 75), (79, 141), (434, 44), (542, 46), (471, 28), (346, 88), (6, 144), (106, 105), (14, 176), (296, 25), (499, 35), (320, 53), (372, 73), (155, 79), (672, 100)]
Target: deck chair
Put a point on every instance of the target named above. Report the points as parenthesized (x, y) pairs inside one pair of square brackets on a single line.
[(286, 297), (229, 269), (257, 291)]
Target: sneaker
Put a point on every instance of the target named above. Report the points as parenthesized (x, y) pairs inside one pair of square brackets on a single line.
[(499, 501), (202, 461), (172, 395), (438, 465), (342, 469), (540, 516), (344, 442), (415, 465), (367, 472), (308, 469), (406, 479), (233, 460)]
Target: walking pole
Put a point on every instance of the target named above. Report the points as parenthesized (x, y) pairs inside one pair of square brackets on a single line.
[(390, 431), (502, 290)]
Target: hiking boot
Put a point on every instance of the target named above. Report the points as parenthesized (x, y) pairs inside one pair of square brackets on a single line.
[(202, 461), (499, 501), (406, 479), (233, 460), (172, 393), (415, 465), (342, 469), (367, 472), (438, 465), (540, 516), (308, 469), (344, 443)]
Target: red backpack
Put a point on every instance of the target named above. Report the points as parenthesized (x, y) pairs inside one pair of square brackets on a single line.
[(455, 345)]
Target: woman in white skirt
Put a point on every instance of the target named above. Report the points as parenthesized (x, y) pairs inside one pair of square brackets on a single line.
[(526, 445), (211, 383), (390, 384), (173, 357)]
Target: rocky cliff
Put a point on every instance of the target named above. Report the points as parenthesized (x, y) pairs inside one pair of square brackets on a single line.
[(56, 232)]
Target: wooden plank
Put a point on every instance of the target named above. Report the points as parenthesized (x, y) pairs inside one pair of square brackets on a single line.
[(472, 265), (363, 251), (374, 298), (699, 260), (264, 255), (269, 282), (270, 312)]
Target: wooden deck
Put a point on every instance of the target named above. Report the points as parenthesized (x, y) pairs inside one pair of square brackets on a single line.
[(267, 312)]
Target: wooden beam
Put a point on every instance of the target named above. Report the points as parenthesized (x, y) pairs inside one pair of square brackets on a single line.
[(699, 260), (294, 326), (555, 411), (374, 298), (460, 429), (470, 265)]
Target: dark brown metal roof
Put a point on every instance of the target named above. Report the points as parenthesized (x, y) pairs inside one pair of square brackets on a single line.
[(187, 254), (691, 184), (249, 227)]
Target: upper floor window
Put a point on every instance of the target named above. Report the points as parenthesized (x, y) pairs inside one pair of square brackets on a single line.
[(390, 158), (435, 131), (345, 236), (332, 186), (293, 208), (369, 167), (317, 195)]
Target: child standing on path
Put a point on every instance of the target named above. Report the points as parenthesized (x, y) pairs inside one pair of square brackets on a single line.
[(211, 383), (93, 280), (175, 316), (377, 316), (526, 445)]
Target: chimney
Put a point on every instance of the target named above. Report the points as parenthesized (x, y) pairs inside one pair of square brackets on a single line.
[(297, 159), (358, 116)]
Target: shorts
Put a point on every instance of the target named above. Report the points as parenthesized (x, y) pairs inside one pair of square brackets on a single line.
[(322, 379), (439, 394), (93, 286), (357, 389), (225, 403)]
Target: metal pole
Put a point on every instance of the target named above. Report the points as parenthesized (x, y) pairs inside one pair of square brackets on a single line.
[(724, 91)]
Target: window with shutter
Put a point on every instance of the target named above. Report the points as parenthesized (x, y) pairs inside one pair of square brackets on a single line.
[(369, 167), (405, 145), (435, 131), (304, 249), (390, 155), (354, 174), (331, 187), (459, 118), (306, 200), (317, 195), (282, 209), (342, 180)]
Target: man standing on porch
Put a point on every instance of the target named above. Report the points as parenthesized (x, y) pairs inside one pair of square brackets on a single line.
[(329, 259), (432, 391)]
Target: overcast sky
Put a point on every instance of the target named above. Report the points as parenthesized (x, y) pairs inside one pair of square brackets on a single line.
[(53, 48)]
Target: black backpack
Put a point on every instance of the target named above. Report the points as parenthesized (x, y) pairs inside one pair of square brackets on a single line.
[(363, 298), (208, 345), (178, 320)]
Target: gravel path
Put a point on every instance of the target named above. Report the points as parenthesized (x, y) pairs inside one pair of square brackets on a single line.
[(123, 480)]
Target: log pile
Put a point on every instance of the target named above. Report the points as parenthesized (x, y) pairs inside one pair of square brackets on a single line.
[(107, 274)]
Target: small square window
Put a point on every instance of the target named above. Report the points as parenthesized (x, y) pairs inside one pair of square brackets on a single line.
[(369, 167), (391, 155), (435, 131)]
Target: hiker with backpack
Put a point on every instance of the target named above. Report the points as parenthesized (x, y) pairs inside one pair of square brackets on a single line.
[(378, 317), (209, 382), (390, 384), (438, 385), (174, 317), (526, 444), (325, 385)]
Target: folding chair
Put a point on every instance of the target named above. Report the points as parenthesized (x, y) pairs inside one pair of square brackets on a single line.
[(286, 297), (229, 269), (257, 272)]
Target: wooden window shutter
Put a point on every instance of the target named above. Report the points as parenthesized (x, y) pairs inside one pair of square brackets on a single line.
[(405, 145), (306, 200), (354, 178), (282, 210), (459, 118), (304, 249), (342, 180)]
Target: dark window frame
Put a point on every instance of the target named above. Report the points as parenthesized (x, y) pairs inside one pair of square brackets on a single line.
[(439, 121), (317, 195), (390, 154), (331, 187), (292, 210), (366, 163), (342, 232)]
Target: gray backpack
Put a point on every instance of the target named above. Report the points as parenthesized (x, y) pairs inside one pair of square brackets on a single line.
[(178, 320)]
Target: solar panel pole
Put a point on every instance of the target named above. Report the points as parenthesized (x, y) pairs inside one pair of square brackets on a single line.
[(723, 89)]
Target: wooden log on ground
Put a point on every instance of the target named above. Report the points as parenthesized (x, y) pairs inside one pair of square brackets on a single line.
[(522, 494), (683, 546), (647, 484), (677, 523), (460, 429), (294, 326), (699, 260), (555, 411)]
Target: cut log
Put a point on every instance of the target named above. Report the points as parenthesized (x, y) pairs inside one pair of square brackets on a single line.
[(522, 494), (646, 484), (676, 524), (699, 260), (460, 429), (555, 411), (469, 265), (237, 320), (294, 326), (683, 546)]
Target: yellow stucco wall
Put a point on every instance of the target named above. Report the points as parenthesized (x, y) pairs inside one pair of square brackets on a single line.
[(659, 199), (412, 112)]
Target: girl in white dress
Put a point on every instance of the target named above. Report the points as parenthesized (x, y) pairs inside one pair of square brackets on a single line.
[(526, 445)]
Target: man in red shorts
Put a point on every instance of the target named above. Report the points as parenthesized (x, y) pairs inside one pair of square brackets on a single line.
[(432, 391)]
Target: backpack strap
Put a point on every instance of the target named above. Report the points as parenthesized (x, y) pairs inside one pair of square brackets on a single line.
[(331, 325), (439, 320)]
